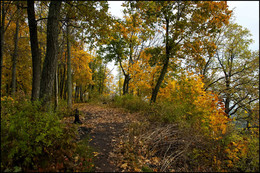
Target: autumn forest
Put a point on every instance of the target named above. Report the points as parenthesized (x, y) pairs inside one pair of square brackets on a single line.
[(185, 97)]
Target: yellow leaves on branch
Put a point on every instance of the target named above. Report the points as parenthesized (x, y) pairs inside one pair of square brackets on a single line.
[(143, 75), (235, 151), (219, 11), (82, 74), (208, 109)]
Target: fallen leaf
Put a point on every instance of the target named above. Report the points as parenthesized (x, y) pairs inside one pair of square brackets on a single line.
[(95, 154), (124, 166)]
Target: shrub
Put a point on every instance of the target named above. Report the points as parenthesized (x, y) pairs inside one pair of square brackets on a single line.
[(33, 139), (212, 143), (131, 103)]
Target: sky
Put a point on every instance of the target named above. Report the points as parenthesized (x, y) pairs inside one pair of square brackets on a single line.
[(246, 14)]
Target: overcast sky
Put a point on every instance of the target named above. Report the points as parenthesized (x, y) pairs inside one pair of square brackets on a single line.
[(246, 14)]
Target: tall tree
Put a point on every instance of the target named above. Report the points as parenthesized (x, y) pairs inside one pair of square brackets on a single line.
[(69, 81), (183, 23), (50, 62), (83, 25), (2, 24), (36, 58), (238, 76), (125, 42), (15, 54)]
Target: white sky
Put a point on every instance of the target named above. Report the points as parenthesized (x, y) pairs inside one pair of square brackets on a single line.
[(246, 14)]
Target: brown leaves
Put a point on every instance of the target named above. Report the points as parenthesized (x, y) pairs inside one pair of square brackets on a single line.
[(106, 125)]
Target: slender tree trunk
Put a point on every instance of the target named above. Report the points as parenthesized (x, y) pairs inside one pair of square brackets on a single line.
[(56, 90), (62, 85), (228, 97), (126, 84), (65, 91), (69, 68), (2, 24), (76, 92), (165, 66), (60, 80), (15, 54), (81, 93), (36, 58), (50, 62), (63, 79)]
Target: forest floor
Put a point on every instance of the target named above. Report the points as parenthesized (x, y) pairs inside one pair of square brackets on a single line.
[(104, 125)]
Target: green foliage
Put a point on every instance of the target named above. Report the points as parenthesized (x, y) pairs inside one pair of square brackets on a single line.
[(168, 112), (242, 151), (234, 150), (146, 169), (84, 151), (33, 139), (130, 102), (63, 110)]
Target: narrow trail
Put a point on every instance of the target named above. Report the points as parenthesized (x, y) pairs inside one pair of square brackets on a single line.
[(106, 125)]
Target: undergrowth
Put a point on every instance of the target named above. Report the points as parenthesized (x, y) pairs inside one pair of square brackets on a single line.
[(36, 140), (174, 138)]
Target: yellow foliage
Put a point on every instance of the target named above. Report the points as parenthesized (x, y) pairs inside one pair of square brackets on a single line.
[(143, 75), (82, 73), (210, 111)]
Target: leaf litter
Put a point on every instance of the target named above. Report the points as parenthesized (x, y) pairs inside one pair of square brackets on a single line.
[(108, 125)]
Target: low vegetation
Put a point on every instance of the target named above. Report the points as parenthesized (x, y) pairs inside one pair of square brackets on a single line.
[(185, 137), (34, 139)]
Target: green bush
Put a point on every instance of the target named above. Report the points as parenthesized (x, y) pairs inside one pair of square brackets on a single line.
[(131, 103), (34, 139), (62, 109)]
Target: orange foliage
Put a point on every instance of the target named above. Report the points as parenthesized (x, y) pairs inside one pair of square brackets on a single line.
[(82, 74), (208, 109), (143, 75)]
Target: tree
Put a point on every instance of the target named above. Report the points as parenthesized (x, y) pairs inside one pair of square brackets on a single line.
[(82, 74), (238, 77), (126, 41), (15, 54), (184, 22), (36, 57), (2, 21), (50, 62), (2, 31), (82, 25), (69, 81)]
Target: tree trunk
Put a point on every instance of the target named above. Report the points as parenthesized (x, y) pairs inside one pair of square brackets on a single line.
[(50, 62), (69, 68), (65, 91), (126, 83), (228, 97), (15, 54), (2, 22), (165, 66), (76, 93), (62, 79), (56, 90), (81, 94), (36, 58), (119, 83)]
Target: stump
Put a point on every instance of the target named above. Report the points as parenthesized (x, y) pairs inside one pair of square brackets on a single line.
[(77, 120)]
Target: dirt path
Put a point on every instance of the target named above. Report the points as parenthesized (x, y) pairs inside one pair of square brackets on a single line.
[(105, 125)]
